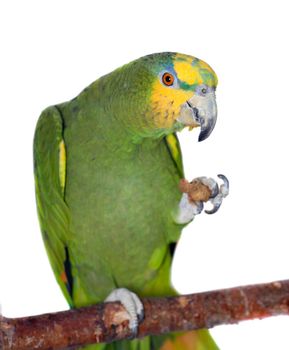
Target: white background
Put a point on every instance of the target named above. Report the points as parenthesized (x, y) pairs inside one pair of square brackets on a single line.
[(51, 50)]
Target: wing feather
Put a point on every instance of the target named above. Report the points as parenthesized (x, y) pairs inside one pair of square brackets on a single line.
[(53, 213), (175, 152)]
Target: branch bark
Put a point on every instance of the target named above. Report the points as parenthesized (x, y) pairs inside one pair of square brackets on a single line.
[(109, 322)]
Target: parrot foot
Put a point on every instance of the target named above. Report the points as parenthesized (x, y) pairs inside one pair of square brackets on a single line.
[(188, 210), (218, 193), (194, 196), (131, 302)]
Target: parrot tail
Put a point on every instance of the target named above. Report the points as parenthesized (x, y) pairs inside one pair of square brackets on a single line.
[(194, 340)]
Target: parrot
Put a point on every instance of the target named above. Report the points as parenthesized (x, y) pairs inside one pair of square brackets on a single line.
[(107, 168)]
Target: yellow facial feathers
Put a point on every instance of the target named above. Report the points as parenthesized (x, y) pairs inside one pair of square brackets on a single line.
[(166, 101)]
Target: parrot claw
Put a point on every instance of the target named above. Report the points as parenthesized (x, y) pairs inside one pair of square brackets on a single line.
[(210, 183), (218, 194), (188, 209), (131, 302)]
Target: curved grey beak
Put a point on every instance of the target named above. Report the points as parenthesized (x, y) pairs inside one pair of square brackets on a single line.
[(200, 111)]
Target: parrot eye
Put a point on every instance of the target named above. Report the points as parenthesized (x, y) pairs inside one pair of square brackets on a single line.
[(168, 79), (204, 91)]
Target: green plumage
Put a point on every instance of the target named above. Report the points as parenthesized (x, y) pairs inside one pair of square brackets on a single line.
[(112, 224)]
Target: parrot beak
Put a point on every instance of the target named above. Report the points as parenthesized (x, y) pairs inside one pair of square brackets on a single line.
[(200, 111)]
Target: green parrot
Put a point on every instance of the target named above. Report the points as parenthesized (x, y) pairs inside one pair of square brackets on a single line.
[(107, 170)]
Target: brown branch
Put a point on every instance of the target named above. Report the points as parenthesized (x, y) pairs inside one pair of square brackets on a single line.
[(108, 322)]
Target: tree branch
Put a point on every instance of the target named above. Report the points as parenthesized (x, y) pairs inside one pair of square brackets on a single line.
[(108, 322)]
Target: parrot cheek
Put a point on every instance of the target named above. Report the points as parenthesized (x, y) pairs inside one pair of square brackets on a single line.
[(166, 103)]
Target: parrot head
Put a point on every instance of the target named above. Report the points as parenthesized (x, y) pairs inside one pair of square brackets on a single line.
[(183, 93), (162, 93)]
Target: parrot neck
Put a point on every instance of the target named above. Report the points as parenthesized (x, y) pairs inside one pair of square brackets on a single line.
[(126, 103), (92, 124), (99, 114)]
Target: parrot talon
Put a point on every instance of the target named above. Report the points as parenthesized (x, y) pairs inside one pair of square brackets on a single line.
[(224, 189), (131, 302), (188, 209), (210, 183), (215, 190), (140, 316), (217, 199)]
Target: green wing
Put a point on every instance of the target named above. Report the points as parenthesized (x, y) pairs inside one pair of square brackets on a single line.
[(175, 152), (49, 170)]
